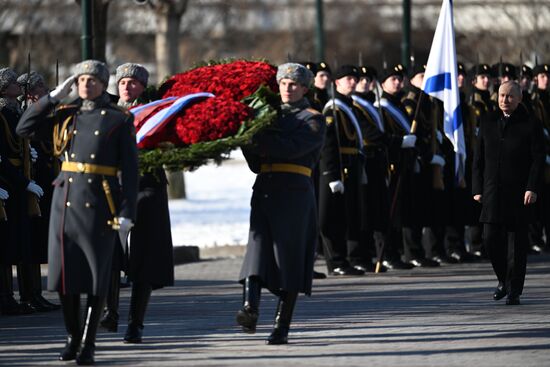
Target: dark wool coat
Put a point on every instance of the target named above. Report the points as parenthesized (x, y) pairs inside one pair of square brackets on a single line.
[(80, 241), (151, 259), (283, 219), (508, 162)]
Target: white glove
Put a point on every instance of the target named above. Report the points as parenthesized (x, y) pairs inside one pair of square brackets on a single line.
[(439, 136), (125, 224), (336, 186), (34, 154), (35, 189), (437, 159), (4, 194), (63, 89), (408, 141), (548, 159)]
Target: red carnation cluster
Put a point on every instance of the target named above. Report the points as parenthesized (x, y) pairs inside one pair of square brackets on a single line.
[(212, 118)]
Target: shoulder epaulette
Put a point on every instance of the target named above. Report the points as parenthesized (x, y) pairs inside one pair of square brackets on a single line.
[(313, 111), (65, 107)]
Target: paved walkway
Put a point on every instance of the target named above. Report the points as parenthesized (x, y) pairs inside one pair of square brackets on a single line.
[(432, 317)]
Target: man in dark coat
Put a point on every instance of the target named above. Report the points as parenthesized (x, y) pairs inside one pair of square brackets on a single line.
[(283, 219), (507, 167), (96, 141), (151, 264)]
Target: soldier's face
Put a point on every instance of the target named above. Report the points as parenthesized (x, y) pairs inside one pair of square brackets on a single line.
[(392, 85), (346, 85), (13, 90), (363, 85), (129, 89), (481, 82), (291, 91), (508, 98), (37, 92), (460, 80), (322, 78), (89, 87), (542, 81)]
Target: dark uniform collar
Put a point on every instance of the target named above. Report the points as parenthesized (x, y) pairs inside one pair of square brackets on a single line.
[(347, 100), (290, 108), (11, 105), (394, 99)]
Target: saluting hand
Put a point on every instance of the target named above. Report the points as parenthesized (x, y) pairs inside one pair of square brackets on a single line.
[(63, 89), (529, 198)]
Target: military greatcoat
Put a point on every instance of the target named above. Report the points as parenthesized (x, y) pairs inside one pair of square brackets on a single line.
[(98, 133), (283, 219)]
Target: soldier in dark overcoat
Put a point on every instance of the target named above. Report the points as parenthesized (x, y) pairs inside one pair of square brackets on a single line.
[(96, 142), (283, 219), (15, 248), (507, 168), (45, 169), (150, 264)]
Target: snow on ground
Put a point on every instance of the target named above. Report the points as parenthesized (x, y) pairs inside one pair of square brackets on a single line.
[(217, 208)]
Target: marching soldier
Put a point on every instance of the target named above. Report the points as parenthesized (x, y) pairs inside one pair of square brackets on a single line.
[(283, 218), (15, 248), (95, 140), (151, 264), (540, 102), (341, 173), (46, 167), (427, 194)]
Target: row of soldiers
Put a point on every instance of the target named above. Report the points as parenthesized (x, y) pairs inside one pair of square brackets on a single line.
[(386, 180)]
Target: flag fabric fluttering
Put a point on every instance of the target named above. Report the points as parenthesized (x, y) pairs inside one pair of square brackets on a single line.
[(440, 81)]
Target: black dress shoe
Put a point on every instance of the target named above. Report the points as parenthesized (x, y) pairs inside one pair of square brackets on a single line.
[(278, 336), (347, 271), (512, 300), (109, 321), (442, 259), (50, 306), (71, 350), (397, 265), (424, 263), (134, 334), (247, 319), (500, 292), (319, 275), (86, 355)]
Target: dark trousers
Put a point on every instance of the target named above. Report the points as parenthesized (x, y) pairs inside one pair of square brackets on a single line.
[(506, 246)]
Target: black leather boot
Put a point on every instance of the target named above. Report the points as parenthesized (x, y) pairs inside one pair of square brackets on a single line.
[(70, 305), (109, 321), (27, 287), (138, 305), (36, 275), (247, 316), (93, 314), (283, 316), (8, 304)]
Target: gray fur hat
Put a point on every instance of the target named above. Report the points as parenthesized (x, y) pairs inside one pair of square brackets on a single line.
[(7, 77), (93, 67), (131, 70), (35, 80), (299, 73)]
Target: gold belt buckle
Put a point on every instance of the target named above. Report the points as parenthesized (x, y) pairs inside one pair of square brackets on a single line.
[(80, 167)]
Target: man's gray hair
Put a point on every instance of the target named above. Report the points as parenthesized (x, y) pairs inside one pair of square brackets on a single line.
[(514, 87)]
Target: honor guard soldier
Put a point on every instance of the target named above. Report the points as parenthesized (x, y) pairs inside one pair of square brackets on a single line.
[(45, 169), (150, 264), (461, 206), (283, 219), (401, 157), (22, 203), (526, 84), (481, 103), (426, 193), (341, 174), (540, 101), (374, 194), (94, 195), (323, 78)]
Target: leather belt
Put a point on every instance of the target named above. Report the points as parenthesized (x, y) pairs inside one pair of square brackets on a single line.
[(88, 168), (286, 168), (349, 150)]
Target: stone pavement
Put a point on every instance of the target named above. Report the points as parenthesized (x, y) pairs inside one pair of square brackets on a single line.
[(421, 317)]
